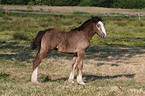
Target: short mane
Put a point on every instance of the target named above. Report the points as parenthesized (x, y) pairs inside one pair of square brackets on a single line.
[(82, 26), (93, 19)]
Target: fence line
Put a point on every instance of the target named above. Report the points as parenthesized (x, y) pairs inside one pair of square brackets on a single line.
[(71, 13)]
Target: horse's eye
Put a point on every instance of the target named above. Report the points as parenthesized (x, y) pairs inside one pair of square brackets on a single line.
[(98, 25)]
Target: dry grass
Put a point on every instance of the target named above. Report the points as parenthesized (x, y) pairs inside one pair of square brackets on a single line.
[(111, 77), (77, 8)]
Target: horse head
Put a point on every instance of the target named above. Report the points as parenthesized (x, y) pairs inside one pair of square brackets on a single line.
[(99, 27)]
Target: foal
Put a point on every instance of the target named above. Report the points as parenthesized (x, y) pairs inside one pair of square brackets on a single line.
[(74, 42)]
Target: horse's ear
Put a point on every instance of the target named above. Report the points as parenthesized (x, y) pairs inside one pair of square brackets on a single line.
[(96, 19), (99, 18)]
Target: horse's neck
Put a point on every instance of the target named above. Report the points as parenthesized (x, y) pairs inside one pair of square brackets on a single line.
[(89, 32)]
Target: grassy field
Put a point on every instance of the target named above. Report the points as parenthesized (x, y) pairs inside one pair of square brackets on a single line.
[(112, 67)]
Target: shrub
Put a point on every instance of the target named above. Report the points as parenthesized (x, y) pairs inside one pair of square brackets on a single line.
[(30, 2), (103, 3), (24, 2), (129, 4), (86, 3), (126, 4), (62, 2)]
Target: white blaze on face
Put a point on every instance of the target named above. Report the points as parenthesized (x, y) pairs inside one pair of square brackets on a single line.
[(101, 29)]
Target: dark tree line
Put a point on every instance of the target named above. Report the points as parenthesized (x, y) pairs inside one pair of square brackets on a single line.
[(126, 4)]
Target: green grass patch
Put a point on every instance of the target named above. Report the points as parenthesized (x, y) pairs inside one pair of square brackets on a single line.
[(78, 12), (3, 76)]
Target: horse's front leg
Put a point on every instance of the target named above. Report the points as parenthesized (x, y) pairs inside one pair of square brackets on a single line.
[(71, 77), (80, 67)]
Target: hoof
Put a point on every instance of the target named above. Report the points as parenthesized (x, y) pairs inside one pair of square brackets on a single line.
[(71, 81), (82, 83), (35, 82)]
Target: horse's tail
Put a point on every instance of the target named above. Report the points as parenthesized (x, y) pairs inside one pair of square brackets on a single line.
[(37, 40)]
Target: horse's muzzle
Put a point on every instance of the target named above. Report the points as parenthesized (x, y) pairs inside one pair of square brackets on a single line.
[(102, 35)]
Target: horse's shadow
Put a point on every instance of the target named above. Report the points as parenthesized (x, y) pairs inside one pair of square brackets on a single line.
[(48, 79), (89, 78), (95, 77)]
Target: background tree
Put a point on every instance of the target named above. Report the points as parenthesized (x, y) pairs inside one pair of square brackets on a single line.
[(126, 4)]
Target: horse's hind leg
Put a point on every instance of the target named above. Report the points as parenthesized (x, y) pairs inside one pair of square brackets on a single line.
[(36, 62), (71, 77)]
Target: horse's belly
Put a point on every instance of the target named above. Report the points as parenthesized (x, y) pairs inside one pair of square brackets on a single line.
[(65, 49)]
